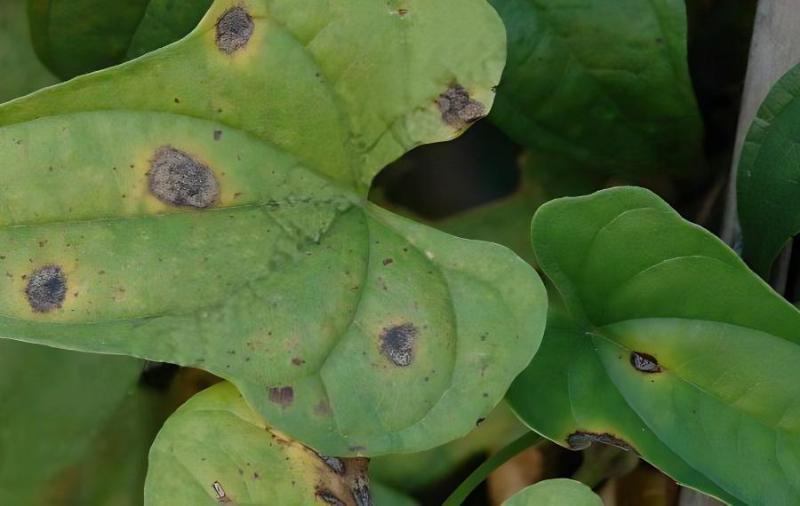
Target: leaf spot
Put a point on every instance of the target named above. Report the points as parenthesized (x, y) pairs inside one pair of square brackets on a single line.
[(644, 362), (234, 29), (458, 109), (284, 396), (329, 497), (47, 288), (398, 344), (178, 179), (334, 463), (221, 496)]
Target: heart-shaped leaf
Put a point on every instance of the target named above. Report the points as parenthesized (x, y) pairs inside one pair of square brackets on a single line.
[(75, 37), (216, 449), (22, 71), (768, 182), (557, 492), (605, 84), (204, 205), (669, 347)]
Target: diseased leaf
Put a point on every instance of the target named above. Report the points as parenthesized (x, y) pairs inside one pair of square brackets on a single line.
[(768, 182), (55, 406), (205, 206), (557, 492), (669, 346), (604, 83), (75, 37), (216, 449), (22, 71)]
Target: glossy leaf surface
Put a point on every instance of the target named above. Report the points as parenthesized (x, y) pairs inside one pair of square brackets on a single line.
[(768, 181), (668, 346), (216, 449), (356, 331), (557, 492), (602, 83)]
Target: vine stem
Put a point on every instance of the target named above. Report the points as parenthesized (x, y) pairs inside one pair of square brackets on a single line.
[(489, 465)]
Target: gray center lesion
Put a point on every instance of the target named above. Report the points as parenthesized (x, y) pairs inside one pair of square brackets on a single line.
[(177, 179), (398, 343), (458, 109), (47, 289), (234, 29)]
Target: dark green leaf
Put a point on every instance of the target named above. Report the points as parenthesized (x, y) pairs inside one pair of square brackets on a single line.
[(768, 183), (75, 37), (604, 83)]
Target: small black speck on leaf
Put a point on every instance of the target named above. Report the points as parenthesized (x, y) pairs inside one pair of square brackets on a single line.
[(458, 109), (217, 135), (398, 344), (178, 179), (47, 288), (644, 362), (234, 29)]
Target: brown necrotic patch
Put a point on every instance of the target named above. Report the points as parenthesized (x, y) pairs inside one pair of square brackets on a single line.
[(398, 343), (644, 362), (47, 288), (329, 497), (582, 440), (178, 179), (234, 29), (457, 107), (284, 396), (335, 464), (360, 491)]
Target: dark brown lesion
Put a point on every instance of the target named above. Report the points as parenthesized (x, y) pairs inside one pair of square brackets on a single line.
[(283, 396), (178, 179), (458, 109), (234, 29), (644, 362), (46, 289), (398, 343), (580, 440)]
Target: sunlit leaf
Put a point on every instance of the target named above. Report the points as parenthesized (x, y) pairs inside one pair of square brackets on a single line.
[(204, 205)]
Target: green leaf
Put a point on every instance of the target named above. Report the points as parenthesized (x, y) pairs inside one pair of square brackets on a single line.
[(603, 83), (57, 406), (204, 205), (669, 346), (215, 449), (414, 472), (23, 71), (75, 37), (558, 492), (768, 181), (385, 496)]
